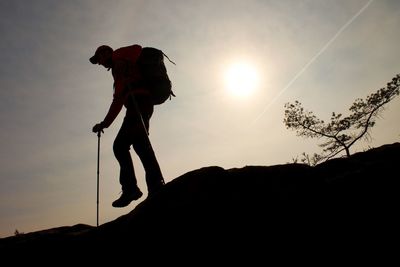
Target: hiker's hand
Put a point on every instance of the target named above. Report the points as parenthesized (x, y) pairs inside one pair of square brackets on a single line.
[(98, 128)]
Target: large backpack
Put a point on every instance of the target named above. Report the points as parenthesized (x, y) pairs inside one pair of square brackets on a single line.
[(154, 74)]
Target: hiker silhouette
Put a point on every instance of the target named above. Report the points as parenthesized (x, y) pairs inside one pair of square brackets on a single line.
[(131, 93)]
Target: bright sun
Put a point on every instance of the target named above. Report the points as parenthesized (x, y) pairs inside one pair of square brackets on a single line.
[(241, 79)]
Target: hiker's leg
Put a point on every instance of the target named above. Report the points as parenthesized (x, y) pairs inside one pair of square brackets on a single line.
[(144, 150), (121, 148), (142, 146)]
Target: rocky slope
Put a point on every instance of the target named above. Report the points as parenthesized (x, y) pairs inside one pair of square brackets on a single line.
[(344, 203)]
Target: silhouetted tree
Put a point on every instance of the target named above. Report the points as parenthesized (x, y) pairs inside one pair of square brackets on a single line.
[(18, 232), (341, 133)]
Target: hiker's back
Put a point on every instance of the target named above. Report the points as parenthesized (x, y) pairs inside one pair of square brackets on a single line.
[(130, 53), (125, 69), (148, 64)]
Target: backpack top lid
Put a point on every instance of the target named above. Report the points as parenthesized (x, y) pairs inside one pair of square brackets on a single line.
[(150, 54)]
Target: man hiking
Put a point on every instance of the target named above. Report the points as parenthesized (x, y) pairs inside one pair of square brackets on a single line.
[(130, 92)]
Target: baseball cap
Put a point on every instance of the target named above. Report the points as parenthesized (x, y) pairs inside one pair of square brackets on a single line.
[(95, 58)]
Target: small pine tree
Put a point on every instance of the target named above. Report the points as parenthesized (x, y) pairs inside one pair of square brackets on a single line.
[(18, 232), (341, 132)]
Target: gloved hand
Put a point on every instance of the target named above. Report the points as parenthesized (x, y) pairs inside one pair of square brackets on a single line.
[(98, 128)]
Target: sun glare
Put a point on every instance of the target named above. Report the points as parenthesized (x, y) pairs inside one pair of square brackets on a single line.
[(241, 79)]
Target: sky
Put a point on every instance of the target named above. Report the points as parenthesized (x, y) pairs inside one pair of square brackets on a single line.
[(323, 53)]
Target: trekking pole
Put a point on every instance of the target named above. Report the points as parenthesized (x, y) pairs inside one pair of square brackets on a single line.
[(98, 175)]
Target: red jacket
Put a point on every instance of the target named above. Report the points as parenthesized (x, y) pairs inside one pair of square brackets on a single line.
[(124, 72)]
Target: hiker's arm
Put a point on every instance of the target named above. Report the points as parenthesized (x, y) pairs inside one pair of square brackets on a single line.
[(113, 111), (119, 94)]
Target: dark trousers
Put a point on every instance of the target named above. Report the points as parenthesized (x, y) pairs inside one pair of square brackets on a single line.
[(133, 133)]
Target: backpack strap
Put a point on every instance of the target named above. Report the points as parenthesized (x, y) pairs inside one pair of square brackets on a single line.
[(168, 58)]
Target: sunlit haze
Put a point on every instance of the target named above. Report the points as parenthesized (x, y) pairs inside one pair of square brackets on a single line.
[(241, 79)]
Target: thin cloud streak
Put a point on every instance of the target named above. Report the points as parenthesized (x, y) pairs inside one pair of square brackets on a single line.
[(313, 59)]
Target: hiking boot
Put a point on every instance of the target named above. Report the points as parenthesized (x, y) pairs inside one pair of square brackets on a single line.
[(126, 198)]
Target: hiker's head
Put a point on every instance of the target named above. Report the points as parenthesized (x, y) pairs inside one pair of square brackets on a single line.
[(102, 56)]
